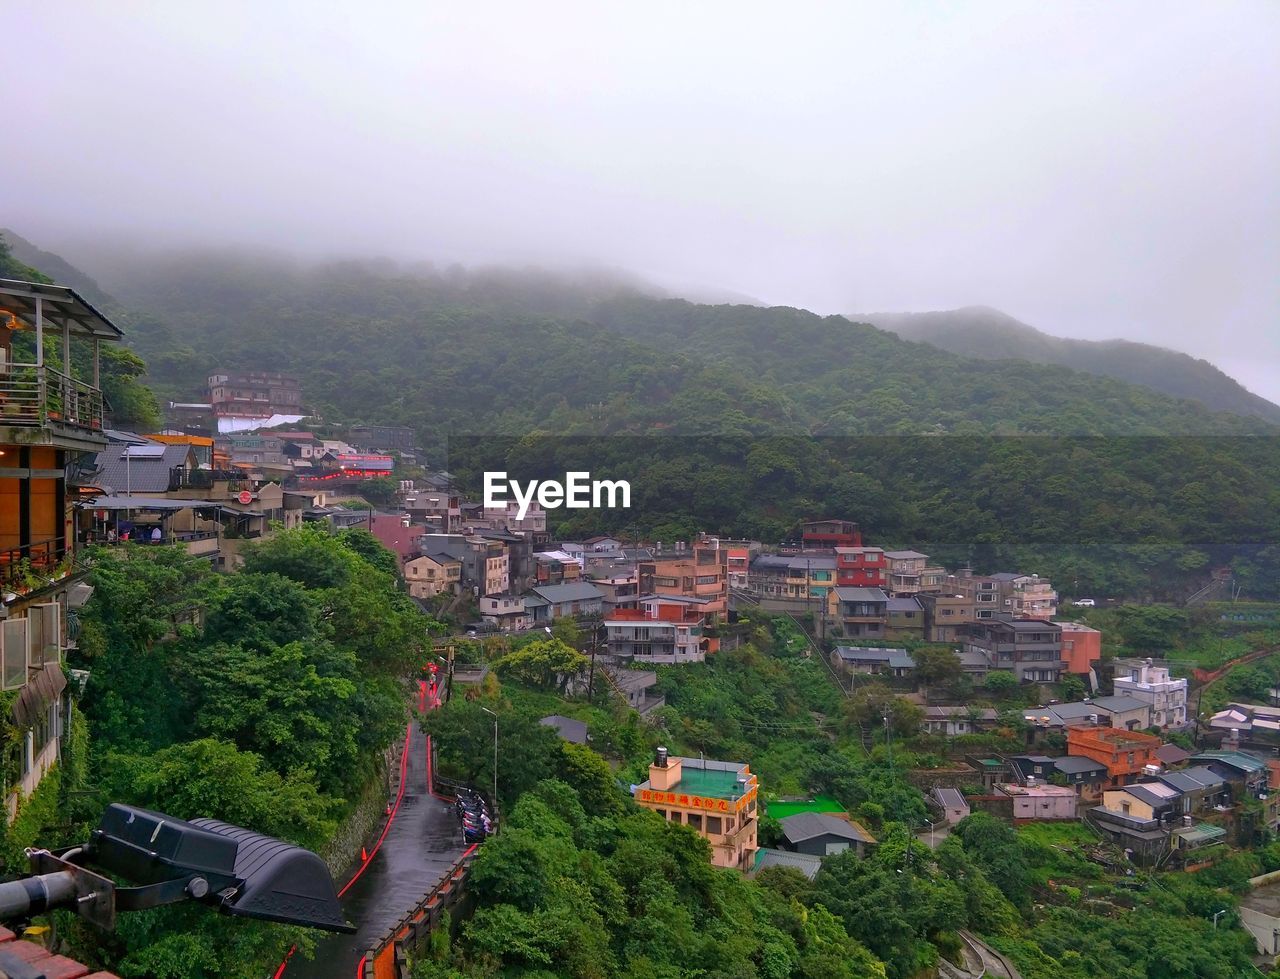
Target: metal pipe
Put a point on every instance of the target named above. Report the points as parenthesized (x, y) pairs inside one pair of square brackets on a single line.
[(35, 895)]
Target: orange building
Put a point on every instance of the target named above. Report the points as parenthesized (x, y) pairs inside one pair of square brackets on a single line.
[(698, 572), (1081, 647), (1125, 753), (51, 422), (715, 798)]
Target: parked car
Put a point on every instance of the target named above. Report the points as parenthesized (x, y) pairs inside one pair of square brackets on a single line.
[(1084, 603)]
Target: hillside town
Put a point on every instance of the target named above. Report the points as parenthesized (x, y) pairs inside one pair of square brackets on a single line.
[(1003, 681)]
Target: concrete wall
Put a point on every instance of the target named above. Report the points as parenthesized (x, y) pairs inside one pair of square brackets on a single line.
[(1263, 928)]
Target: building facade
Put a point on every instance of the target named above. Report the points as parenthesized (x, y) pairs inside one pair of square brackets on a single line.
[(1166, 695), (52, 422), (1030, 649), (716, 799)]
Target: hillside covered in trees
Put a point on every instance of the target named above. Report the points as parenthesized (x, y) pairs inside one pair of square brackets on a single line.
[(737, 419)]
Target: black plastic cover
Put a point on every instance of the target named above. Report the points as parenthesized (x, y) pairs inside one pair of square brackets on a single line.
[(279, 881), (144, 846)]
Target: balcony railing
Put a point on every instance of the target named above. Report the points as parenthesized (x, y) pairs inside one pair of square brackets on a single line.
[(30, 567), (38, 397), (182, 478)]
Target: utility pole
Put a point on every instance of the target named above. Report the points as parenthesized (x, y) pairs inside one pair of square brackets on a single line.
[(596, 626)]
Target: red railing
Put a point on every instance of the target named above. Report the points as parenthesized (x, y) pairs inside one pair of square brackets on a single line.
[(30, 567)]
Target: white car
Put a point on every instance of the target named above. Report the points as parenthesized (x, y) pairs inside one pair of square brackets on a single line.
[(1084, 603)]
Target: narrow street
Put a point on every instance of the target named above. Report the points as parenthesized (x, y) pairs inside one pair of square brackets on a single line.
[(422, 843)]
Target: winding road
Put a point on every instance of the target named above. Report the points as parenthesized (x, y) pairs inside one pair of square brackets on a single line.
[(420, 843)]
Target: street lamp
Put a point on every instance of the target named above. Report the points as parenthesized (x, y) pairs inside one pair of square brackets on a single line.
[(232, 869), (495, 751), (1217, 915)]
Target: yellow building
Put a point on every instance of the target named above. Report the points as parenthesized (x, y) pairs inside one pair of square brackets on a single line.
[(715, 798)]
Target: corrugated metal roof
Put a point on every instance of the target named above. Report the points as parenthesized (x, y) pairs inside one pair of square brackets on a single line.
[(571, 592), (896, 658), (807, 825), (806, 863)]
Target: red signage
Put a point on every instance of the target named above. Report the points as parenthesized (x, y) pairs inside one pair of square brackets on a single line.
[(245, 497)]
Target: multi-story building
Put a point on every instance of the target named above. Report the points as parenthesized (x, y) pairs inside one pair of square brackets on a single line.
[(489, 565), (949, 610), (700, 571), (507, 612), (823, 537), (257, 450), (660, 630), (716, 799), (433, 574), (1127, 754), (1081, 647), (906, 619), (1031, 649), (800, 577), (1166, 695), (51, 422), (254, 394), (861, 567), (621, 591), (439, 510), (1025, 595), (859, 612), (556, 567), (909, 573)]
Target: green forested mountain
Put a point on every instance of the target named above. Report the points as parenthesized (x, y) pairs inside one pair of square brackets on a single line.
[(712, 412), (985, 333)]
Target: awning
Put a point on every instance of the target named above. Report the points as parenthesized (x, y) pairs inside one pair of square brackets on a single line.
[(41, 691), (143, 503)]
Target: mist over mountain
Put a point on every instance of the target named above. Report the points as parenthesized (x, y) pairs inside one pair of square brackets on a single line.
[(988, 334), (734, 419)]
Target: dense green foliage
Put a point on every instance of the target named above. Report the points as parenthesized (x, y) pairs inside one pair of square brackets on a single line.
[(981, 332), (264, 698), (569, 890)]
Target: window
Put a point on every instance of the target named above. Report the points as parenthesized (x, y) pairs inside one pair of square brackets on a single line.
[(13, 653), (695, 820), (714, 825), (44, 636)]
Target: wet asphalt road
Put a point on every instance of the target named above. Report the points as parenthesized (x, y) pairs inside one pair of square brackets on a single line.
[(424, 842)]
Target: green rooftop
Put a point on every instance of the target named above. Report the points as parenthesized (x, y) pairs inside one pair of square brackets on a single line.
[(717, 785), (1239, 759), (819, 803), (719, 782)]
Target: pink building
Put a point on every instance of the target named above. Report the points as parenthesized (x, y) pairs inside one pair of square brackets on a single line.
[(395, 535)]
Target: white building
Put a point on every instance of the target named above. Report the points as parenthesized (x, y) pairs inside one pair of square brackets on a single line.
[(1153, 685), (664, 629)]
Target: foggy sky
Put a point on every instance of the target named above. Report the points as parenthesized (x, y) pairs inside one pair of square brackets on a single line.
[(1096, 170)]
